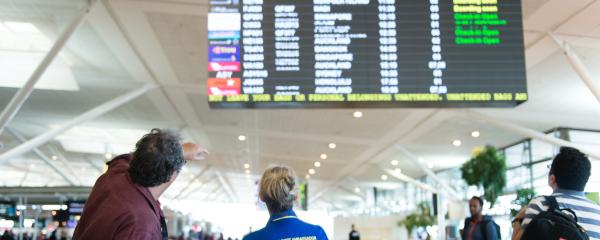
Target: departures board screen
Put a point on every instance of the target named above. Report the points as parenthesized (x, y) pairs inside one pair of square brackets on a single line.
[(365, 53)]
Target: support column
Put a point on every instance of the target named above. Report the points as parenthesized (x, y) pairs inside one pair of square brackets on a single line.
[(17, 101), (441, 216)]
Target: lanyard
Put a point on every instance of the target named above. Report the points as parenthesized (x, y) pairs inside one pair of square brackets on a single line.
[(163, 228)]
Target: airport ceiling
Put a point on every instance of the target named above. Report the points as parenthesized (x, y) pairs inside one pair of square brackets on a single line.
[(125, 44)]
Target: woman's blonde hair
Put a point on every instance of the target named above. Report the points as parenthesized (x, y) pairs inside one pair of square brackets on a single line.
[(278, 188)]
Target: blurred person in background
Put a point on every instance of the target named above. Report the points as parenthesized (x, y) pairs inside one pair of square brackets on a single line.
[(278, 191), (354, 235), (124, 202), (479, 226)]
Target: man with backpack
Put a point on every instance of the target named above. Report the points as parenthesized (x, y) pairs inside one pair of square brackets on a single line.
[(567, 213), (479, 226)]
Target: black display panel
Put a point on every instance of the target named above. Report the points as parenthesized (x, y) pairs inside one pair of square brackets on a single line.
[(365, 53)]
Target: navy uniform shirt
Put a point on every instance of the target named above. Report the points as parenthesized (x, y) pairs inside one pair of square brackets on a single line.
[(287, 226)]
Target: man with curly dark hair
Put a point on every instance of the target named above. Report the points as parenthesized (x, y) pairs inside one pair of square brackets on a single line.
[(124, 201)]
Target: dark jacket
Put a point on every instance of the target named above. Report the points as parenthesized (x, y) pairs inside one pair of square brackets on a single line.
[(486, 232)]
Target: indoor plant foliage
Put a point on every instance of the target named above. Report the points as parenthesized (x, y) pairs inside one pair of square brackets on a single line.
[(487, 169), (422, 218), (524, 196)]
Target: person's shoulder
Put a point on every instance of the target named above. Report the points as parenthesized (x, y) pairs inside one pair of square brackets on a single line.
[(256, 235), (313, 228)]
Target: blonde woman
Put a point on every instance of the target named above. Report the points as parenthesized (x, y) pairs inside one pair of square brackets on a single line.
[(278, 191)]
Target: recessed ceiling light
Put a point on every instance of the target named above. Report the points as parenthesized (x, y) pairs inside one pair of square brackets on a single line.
[(356, 190), (323, 156), (384, 177), (332, 145), (108, 155), (317, 164), (307, 176), (247, 171), (475, 134), (421, 160), (398, 170), (430, 165), (242, 138), (54, 157), (311, 171), (246, 165), (456, 143), (358, 114), (394, 162)]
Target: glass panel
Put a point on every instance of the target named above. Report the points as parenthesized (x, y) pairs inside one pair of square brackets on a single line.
[(542, 150), (515, 155)]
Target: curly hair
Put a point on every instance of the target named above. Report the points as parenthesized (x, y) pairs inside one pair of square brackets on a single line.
[(157, 156), (571, 168)]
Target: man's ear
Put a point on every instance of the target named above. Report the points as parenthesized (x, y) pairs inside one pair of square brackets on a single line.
[(174, 176), (551, 180)]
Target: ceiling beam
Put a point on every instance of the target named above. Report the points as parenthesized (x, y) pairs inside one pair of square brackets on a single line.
[(42, 156), (530, 133), (197, 177), (24, 92), (91, 114), (578, 66)]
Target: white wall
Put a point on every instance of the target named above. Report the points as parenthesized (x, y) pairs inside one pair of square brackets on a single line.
[(370, 228)]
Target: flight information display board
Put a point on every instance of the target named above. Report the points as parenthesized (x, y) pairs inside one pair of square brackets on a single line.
[(365, 53)]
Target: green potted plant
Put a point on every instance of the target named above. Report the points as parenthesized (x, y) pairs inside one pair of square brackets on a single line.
[(486, 169), (421, 218), (523, 198)]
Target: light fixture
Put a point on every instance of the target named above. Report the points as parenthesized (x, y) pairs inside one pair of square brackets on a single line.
[(356, 190), (430, 165), (475, 134), (246, 165), (32, 166), (456, 143), (323, 156), (108, 155), (332, 145), (54, 157), (311, 171), (421, 160), (358, 114), (242, 138), (398, 170), (307, 176), (247, 171), (317, 164), (384, 177), (394, 162)]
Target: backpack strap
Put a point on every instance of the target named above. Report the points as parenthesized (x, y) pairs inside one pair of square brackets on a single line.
[(553, 206), (552, 203)]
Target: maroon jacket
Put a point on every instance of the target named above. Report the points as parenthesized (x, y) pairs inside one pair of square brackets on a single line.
[(119, 209)]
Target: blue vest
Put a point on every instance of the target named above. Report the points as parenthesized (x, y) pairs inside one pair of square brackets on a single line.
[(287, 226)]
